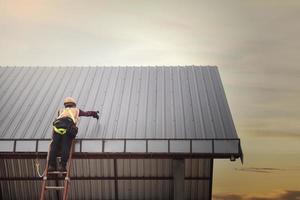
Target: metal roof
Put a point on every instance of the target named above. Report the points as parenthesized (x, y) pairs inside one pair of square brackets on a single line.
[(161, 103), (135, 102), (148, 117)]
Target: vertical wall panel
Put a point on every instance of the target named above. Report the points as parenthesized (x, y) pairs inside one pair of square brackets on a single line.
[(104, 189)]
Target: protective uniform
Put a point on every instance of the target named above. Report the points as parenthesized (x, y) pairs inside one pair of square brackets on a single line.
[(65, 130)]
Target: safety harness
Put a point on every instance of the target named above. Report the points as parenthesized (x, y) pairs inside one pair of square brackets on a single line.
[(60, 131)]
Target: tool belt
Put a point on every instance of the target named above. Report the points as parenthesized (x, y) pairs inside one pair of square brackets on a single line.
[(64, 126)]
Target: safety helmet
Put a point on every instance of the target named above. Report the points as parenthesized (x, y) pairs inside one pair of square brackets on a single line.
[(69, 100)]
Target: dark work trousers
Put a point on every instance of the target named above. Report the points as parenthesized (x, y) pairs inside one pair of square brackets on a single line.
[(62, 142)]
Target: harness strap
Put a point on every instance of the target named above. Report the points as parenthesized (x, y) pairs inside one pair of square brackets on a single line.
[(60, 131)]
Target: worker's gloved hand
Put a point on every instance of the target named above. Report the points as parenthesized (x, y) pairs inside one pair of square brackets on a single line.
[(95, 115)]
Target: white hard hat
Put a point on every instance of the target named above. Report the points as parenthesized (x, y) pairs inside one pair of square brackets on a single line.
[(69, 100)]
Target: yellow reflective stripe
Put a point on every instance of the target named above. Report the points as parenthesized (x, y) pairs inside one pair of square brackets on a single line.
[(61, 131)]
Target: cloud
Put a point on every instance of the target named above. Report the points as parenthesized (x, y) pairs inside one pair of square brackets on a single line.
[(265, 169), (274, 133), (227, 196), (286, 195), (291, 195), (281, 195), (259, 169)]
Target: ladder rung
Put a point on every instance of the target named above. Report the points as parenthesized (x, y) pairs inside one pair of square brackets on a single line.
[(54, 187), (57, 172)]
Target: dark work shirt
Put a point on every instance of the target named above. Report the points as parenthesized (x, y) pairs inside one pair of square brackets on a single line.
[(86, 113)]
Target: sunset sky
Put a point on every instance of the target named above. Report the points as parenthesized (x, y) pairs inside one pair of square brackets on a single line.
[(255, 44)]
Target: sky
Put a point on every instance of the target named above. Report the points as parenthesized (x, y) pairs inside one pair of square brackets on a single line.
[(254, 43)]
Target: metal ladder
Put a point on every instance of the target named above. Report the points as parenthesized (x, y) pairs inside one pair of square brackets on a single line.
[(67, 180)]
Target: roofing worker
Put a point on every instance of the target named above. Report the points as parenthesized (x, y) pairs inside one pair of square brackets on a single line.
[(65, 130)]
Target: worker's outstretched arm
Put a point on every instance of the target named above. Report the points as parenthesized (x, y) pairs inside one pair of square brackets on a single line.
[(93, 114)]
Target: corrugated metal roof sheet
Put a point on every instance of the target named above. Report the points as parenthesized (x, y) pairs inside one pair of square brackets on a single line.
[(135, 102)]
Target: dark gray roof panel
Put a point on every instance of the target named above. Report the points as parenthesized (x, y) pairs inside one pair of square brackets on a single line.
[(134, 102)]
